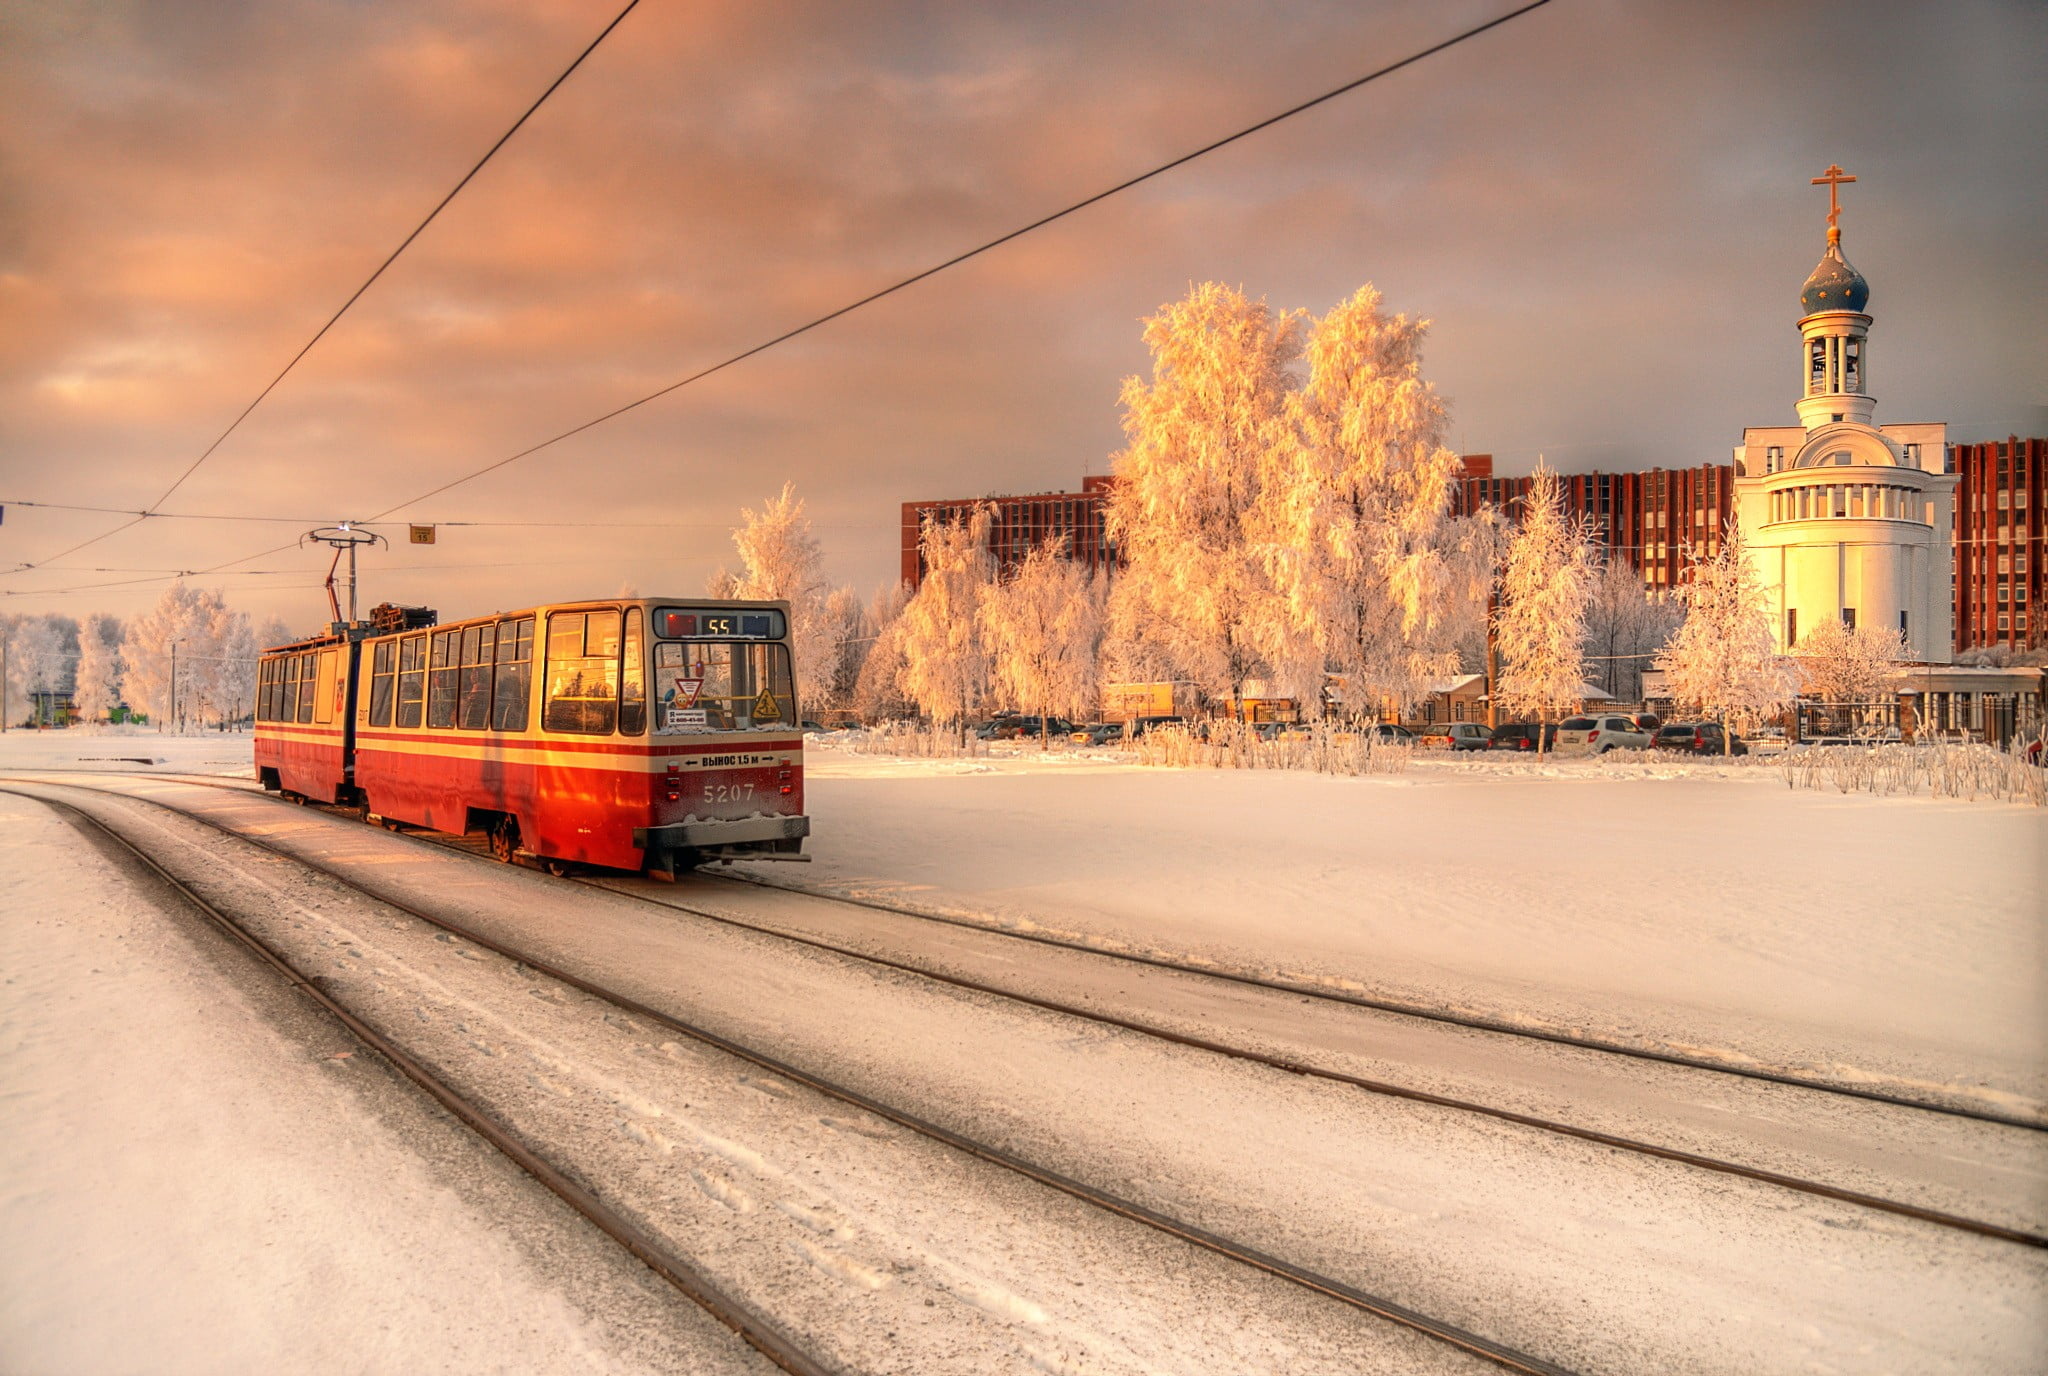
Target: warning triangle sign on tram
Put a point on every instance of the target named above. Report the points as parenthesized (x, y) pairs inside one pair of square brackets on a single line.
[(766, 708)]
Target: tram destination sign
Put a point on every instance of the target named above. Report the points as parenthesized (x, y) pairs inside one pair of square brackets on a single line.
[(710, 623)]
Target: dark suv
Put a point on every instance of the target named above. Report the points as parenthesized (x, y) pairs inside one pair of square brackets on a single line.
[(1698, 738), (1521, 735)]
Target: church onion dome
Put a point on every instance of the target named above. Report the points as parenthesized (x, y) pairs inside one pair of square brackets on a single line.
[(1834, 285)]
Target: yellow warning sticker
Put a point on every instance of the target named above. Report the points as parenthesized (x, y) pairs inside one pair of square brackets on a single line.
[(766, 708)]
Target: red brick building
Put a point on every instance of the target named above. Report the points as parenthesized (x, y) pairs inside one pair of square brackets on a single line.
[(1021, 524), (1650, 517), (1998, 577)]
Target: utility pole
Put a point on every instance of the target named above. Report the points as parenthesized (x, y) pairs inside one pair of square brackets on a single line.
[(174, 685)]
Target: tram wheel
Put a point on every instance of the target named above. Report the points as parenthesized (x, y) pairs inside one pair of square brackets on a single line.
[(505, 838)]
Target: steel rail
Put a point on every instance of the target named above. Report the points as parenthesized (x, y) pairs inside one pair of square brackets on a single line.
[(1441, 1330), (1472, 1021), (750, 1326), (1307, 1069), (1393, 1007)]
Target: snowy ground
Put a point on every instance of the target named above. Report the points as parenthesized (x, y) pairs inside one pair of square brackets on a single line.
[(1701, 906), (1709, 907)]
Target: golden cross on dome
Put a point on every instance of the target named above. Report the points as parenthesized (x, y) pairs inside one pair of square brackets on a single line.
[(1833, 179)]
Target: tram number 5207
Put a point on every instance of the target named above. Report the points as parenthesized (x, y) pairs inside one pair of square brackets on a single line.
[(728, 793)]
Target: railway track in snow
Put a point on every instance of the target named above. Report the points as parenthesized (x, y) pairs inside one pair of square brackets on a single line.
[(1301, 1065), (759, 1329)]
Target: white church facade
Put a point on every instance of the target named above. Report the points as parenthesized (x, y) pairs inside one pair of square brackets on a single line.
[(1847, 520)]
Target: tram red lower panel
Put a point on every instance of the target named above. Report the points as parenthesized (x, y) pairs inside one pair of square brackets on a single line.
[(305, 759), (584, 812)]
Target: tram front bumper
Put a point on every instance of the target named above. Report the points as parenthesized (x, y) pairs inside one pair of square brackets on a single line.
[(746, 831)]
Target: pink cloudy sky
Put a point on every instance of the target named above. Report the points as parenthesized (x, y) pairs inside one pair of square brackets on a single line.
[(1604, 207)]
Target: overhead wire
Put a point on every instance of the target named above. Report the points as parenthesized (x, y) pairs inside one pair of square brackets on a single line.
[(355, 296), (914, 278)]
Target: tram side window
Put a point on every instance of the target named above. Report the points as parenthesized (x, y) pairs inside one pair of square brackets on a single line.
[(383, 680), (515, 673), (263, 690), (633, 684), (583, 673), (441, 678), (306, 674), (479, 647), (412, 679)]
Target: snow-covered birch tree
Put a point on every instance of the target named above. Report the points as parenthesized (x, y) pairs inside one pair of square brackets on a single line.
[(780, 558), (193, 621), (945, 667), (1624, 628), (1723, 662), (1539, 630), (1353, 517), (97, 688), (1203, 436), (40, 653), (1043, 627)]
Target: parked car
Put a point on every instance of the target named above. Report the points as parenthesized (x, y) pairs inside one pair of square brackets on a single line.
[(997, 728), (1598, 735), (1457, 735), (1098, 733), (1392, 733), (1698, 738), (1649, 723), (1138, 726), (1029, 728), (1521, 735)]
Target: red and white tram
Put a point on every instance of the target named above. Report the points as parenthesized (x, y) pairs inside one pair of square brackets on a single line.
[(639, 734)]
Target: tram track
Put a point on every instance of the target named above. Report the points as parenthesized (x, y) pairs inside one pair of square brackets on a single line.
[(1277, 984), (1288, 1064), (1398, 1008), (758, 1331)]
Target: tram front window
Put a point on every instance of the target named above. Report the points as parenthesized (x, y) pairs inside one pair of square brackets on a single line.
[(717, 685)]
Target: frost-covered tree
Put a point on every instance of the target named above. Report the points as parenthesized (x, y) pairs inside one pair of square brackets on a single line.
[(1043, 627), (197, 622), (849, 639), (40, 652), (723, 584), (96, 690), (1539, 630), (1624, 628), (945, 667), (1723, 662), (1838, 665), (1354, 515), (877, 694), (231, 687), (780, 558), (1204, 437)]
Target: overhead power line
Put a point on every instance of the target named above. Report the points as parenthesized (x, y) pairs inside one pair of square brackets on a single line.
[(355, 296), (937, 268)]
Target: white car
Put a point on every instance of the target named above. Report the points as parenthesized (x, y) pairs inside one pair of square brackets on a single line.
[(1598, 735)]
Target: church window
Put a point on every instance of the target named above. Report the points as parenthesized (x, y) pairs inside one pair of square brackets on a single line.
[(1841, 456), (1837, 417), (1774, 458), (1791, 627), (1856, 500), (1817, 368), (1841, 501), (1848, 618), (1854, 365), (1902, 621)]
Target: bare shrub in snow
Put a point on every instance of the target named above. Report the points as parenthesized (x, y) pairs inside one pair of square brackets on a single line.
[(1043, 628), (945, 667), (1321, 747), (1723, 662), (1540, 628), (917, 740), (1205, 436), (1971, 771)]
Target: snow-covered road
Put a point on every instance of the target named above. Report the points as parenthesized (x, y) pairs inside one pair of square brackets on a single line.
[(899, 1255)]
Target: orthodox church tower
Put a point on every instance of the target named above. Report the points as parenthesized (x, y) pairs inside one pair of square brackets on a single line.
[(1845, 520)]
